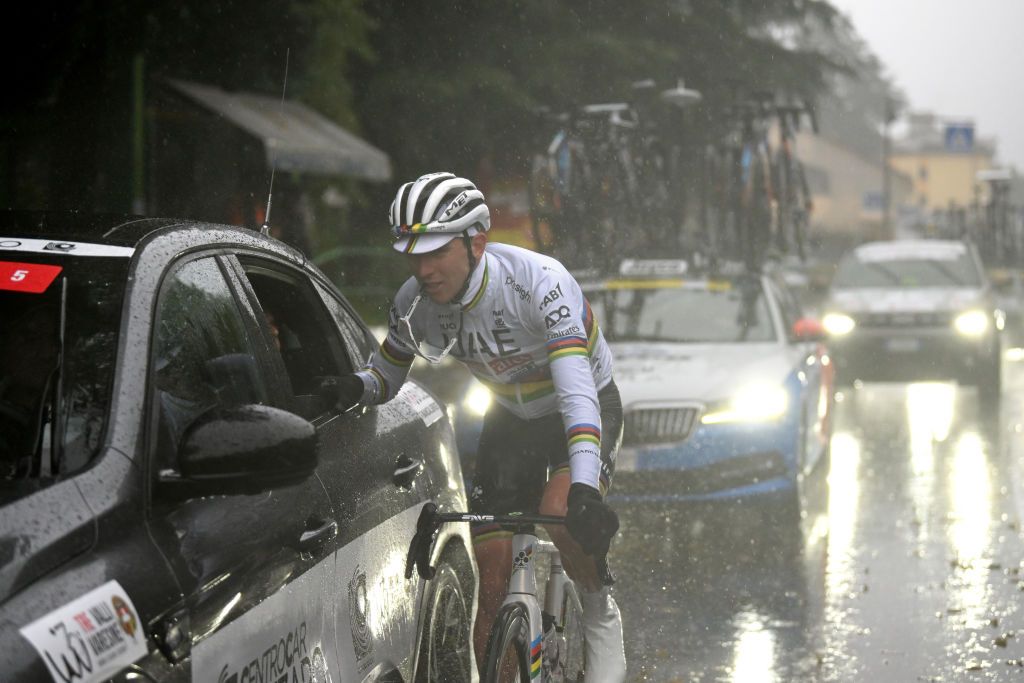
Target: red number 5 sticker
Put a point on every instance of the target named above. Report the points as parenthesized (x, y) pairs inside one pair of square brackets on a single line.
[(33, 278)]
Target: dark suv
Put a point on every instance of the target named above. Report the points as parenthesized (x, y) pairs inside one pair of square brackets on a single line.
[(180, 499)]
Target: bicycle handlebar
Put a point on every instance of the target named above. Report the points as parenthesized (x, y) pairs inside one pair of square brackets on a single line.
[(430, 520)]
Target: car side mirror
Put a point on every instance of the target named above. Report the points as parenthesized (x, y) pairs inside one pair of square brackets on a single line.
[(1002, 280), (243, 450), (809, 329)]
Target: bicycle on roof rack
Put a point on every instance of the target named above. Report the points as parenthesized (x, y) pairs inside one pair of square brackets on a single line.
[(755, 200), (609, 180), (792, 191), (527, 641)]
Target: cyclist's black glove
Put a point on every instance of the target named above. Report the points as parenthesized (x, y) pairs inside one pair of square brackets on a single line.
[(344, 391), (590, 520)]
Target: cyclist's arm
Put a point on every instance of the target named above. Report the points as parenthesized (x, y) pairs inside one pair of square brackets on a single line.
[(389, 366), (564, 317)]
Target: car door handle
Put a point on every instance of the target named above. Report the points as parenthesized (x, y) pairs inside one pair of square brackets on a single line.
[(406, 469), (313, 538)]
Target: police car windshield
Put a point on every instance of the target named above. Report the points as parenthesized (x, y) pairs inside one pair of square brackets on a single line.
[(55, 379), (711, 311), (956, 271)]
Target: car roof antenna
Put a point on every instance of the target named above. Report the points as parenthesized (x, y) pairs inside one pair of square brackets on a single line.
[(265, 228)]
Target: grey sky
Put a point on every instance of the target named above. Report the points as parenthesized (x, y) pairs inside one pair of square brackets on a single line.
[(962, 59)]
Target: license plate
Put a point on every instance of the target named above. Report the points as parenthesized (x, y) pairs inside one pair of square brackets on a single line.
[(903, 345)]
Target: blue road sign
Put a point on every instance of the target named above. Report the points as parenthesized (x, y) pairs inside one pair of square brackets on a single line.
[(959, 137)]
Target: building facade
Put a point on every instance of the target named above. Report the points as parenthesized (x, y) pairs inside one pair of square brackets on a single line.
[(943, 159)]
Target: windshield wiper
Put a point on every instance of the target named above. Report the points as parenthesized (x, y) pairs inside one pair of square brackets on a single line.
[(58, 417), (892, 275), (51, 413), (942, 268)]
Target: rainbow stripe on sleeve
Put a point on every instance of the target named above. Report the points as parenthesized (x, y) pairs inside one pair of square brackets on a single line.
[(395, 355), (583, 433), (383, 382), (565, 347)]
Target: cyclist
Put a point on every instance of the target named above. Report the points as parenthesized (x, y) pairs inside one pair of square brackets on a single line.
[(518, 320)]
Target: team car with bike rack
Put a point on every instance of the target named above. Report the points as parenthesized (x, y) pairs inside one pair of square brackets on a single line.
[(181, 497), (726, 388)]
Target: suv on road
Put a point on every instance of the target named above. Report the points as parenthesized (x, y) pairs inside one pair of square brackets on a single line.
[(915, 310), (178, 498)]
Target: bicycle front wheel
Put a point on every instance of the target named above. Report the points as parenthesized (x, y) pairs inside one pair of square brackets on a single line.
[(508, 650)]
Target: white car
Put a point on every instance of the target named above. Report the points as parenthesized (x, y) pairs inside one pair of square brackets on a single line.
[(915, 310), (725, 385)]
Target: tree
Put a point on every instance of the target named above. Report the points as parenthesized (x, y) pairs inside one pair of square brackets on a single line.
[(69, 105), (455, 81)]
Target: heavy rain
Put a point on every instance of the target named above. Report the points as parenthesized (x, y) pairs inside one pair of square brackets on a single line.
[(786, 235)]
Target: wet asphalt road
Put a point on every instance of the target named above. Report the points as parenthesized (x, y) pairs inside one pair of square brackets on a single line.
[(909, 566)]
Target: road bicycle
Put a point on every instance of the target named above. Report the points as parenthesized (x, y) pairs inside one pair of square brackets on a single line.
[(610, 180), (794, 195), (755, 200), (658, 158), (556, 185), (527, 642)]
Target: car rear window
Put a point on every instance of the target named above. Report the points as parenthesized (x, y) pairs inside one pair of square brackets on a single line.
[(58, 344)]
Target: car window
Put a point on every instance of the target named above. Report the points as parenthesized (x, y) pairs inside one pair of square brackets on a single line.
[(699, 311), (301, 329), (203, 357), (356, 339), (59, 322), (957, 270)]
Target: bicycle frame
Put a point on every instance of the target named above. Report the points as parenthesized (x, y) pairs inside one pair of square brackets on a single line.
[(522, 588)]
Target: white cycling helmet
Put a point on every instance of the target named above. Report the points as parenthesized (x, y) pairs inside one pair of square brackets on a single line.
[(435, 209)]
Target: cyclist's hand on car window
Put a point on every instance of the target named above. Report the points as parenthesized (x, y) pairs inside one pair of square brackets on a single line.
[(590, 520), (343, 390)]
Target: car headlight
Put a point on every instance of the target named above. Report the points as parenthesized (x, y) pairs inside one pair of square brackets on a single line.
[(755, 403), (838, 324), (971, 323), (477, 400)]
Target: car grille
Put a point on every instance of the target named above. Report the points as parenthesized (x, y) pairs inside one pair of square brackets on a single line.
[(659, 425), (896, 319)]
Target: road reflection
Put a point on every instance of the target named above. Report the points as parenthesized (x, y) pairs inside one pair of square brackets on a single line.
[(755, 650), (970, 488), (911, 570)]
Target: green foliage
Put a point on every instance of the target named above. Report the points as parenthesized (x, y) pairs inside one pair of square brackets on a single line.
[(453, 82)]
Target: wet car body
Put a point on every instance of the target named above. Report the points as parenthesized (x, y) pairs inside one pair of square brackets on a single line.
[(696, 423), (266, 537), (915, 310)]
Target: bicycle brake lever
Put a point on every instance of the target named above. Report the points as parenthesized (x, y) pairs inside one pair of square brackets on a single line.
[(422, 541)]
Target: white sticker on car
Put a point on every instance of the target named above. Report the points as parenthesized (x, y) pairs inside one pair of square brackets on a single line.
[(428, 409), (90, 638), (60, 247)]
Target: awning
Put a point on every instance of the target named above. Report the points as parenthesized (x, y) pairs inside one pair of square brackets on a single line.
[(295, 138)]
